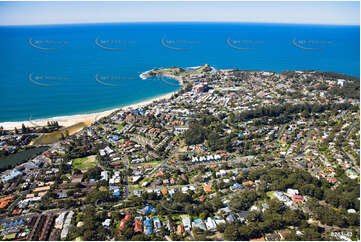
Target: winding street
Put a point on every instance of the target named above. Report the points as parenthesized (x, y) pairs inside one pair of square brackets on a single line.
[(349, 131), (345, 153)]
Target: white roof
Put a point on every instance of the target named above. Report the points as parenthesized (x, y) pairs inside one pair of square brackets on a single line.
[(351, 210), (106, 222), (210, 223)]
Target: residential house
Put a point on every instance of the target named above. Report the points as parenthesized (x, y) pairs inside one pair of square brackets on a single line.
[(199, 224), (211, 224), (138, 225), (186, 223), (157, 224)]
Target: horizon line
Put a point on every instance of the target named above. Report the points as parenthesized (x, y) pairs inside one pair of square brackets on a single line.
[(153, 22)]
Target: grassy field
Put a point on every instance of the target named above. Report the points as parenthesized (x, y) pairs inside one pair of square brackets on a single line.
[(270, 195), (172, 69), (84, 163), (56, 135), (132, 187)]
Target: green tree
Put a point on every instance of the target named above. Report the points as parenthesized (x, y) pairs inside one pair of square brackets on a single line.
[(231, 233)]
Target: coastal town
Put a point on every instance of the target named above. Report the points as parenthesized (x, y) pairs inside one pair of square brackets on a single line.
[(232, 155)]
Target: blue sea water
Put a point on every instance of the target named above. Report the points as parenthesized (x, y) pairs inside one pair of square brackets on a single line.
[(57, 70)]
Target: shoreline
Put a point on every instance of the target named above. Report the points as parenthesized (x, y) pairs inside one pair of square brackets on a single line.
[(90, 118)]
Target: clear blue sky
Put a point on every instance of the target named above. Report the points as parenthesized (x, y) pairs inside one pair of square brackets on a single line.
[(29, 13)]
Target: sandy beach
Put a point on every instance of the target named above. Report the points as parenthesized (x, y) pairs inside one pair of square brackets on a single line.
[(86, 118)]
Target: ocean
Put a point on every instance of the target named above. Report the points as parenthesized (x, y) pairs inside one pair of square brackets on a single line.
[(57, 70)]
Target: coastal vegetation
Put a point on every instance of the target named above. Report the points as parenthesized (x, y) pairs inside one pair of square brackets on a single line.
[(51, 126), (59, 134)]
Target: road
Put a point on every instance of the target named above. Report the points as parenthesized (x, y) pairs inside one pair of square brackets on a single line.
[(171, 187), (171, 210), (352, 160), (237, 160), (345, 153), (304, 144), (162, 163), (126, 182), (349, 131), (231, 195)]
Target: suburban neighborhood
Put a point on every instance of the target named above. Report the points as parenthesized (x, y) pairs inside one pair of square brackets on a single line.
[(233, 155)]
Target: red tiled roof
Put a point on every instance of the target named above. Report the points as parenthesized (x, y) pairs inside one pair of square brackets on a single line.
[(3, 204), (297, 198), (138, 226), (248, 183), (180, 229), (6, 198), (16, 211), (160, 173), (122, 222), (207, 188), (259, 239)]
